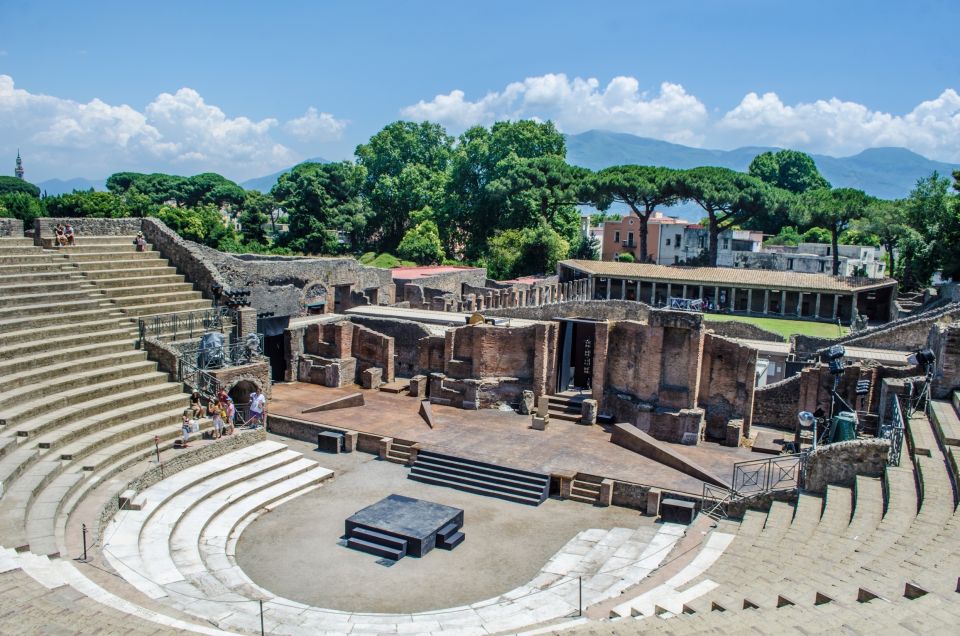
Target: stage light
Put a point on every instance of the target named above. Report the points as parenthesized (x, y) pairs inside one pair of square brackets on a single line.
[(836, 352), (922, 356), (863, 387), (806, 418), (836, 366)]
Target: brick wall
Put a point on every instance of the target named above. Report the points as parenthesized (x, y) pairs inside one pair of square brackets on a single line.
[(43, 227), (406, 336), (727, 380), (840, 463), (595, 309), (372, 349), (776, 404), (944, 340), (744, 330)]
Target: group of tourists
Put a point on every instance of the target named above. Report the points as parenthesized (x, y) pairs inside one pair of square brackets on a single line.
[(223, 412), (64, 235)]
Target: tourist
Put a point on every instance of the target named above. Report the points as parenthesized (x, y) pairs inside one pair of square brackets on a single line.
[(60, 236), (196, 405), (231, 414), (215, 411), (186, 426), (222, 396), (140, 242), (69, 235), (257, 407)]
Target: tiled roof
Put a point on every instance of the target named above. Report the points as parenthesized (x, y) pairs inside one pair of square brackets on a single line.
[(727, 276)]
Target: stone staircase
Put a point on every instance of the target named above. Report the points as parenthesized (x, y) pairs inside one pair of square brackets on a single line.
[(77, 399), (945, 415), (480, 478), (880, 553), (585, 489), (400, 451)]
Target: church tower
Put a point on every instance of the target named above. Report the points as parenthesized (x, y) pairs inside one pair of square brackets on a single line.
[(18, 171)]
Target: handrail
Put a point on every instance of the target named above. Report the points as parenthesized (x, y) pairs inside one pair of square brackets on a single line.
[(186, 324), (893, 430)]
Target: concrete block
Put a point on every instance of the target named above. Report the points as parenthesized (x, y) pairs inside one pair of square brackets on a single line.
[(418, 386), (653, 502), (734, 431), (526, 403), (540, 423), (588, 412), (371, 378)]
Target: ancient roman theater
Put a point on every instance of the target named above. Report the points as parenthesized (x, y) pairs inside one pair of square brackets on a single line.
[(199, 442)]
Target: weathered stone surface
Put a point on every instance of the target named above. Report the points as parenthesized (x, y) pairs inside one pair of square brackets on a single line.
[(540, 423), (371, 378), (588, 412), (734, 433), (526, 403), (840, 463), (347, 401), (11, 227), (653, 502), (636, 440), (418, 386), (727, 380), (426, 412)]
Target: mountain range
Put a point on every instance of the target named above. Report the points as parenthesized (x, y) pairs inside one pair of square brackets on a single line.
[(888, 173)]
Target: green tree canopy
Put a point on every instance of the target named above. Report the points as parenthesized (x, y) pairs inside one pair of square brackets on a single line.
[(815, 235), (834, 210), (788, 235), (421, 243), (640, 188), (88, 203), (532, 250), (321, 201), (728, 197), (406, 170), (790, 170), (10, 185), (204, 224), (23, 206)]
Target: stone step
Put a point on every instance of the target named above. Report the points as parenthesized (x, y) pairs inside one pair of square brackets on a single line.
[(60, 383), (39, 346), (380, 538), (62, 356), (151, 309), (52, 370), (51, 306), (131, 256), (376, 549), (85, 245), (123, 269), (12, 241), (123, 282), (76, 397), (67, 273), (52, 287), (469, 472), (920, 435), (150, 289), (60, 267), (473, 486), (143, 267), (33, 258), (946, 424), (10, 338), (45, 320), (156, 298), (26, 248), (99, 412)]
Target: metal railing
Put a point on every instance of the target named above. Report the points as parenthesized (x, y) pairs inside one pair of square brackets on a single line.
[(893, 430), (779, 472), (188, 324), (239, 352), (197, 379)]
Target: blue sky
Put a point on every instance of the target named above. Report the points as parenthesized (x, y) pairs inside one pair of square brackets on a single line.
[(247, 88)]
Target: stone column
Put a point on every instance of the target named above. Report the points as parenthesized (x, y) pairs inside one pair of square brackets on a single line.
[(836, 305), (783, 303), (609, 285), (636, 296), (749, 299), (816, 306), (799, 304), (653, 292), (766, 301), (733, 299), (716, 297), (623, 289), (684, 292), (700, 293), (669, 289)]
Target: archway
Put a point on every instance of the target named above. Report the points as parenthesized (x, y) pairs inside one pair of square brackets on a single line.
[(240, 392)]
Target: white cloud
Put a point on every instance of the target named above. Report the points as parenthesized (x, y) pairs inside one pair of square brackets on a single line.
[(576, 105), (175, 132), (315, 126), (838, 127), (830, 126)]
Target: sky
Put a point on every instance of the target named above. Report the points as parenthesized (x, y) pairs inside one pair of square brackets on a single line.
[(248, 88)]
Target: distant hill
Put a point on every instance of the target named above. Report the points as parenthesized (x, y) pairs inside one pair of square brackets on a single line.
[(54, 187), (263, 184), (888, 173)]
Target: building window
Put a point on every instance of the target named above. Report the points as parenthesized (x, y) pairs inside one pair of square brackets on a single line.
[(823, 266), (668, 242), (616, 237), (789, 263), (726, 244), (701, 242), (677, 240), (629, 239)]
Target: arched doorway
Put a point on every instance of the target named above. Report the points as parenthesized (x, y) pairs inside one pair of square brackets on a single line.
[(240, 392)]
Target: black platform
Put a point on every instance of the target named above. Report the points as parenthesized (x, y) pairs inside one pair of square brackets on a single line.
[(396, 526)]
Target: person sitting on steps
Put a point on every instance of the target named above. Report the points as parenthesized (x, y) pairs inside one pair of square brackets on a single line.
[(59, 236), (140, 242), (69, 235), (196, 405)]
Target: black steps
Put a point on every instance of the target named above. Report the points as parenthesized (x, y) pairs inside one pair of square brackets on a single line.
[(380, 538), (375, 548), (519, 486)]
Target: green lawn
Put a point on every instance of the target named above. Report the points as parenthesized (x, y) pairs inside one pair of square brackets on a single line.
[(785, 328)]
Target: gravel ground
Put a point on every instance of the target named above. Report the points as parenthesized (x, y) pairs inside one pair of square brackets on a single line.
[(296, 551)]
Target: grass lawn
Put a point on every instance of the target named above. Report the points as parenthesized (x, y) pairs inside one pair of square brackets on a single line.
[(785, 328)]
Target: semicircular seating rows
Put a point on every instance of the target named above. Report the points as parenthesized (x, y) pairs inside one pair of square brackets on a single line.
[(880, 557)]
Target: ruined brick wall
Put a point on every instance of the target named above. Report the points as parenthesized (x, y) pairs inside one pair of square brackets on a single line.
[(657, 362), (329, 340), (430, 354), (905, 334), (11, 227), (489, 351), (743, 330), (944, 340), (727, 380), (595, 309), (373, 349), (776, 404), (406, 336)]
